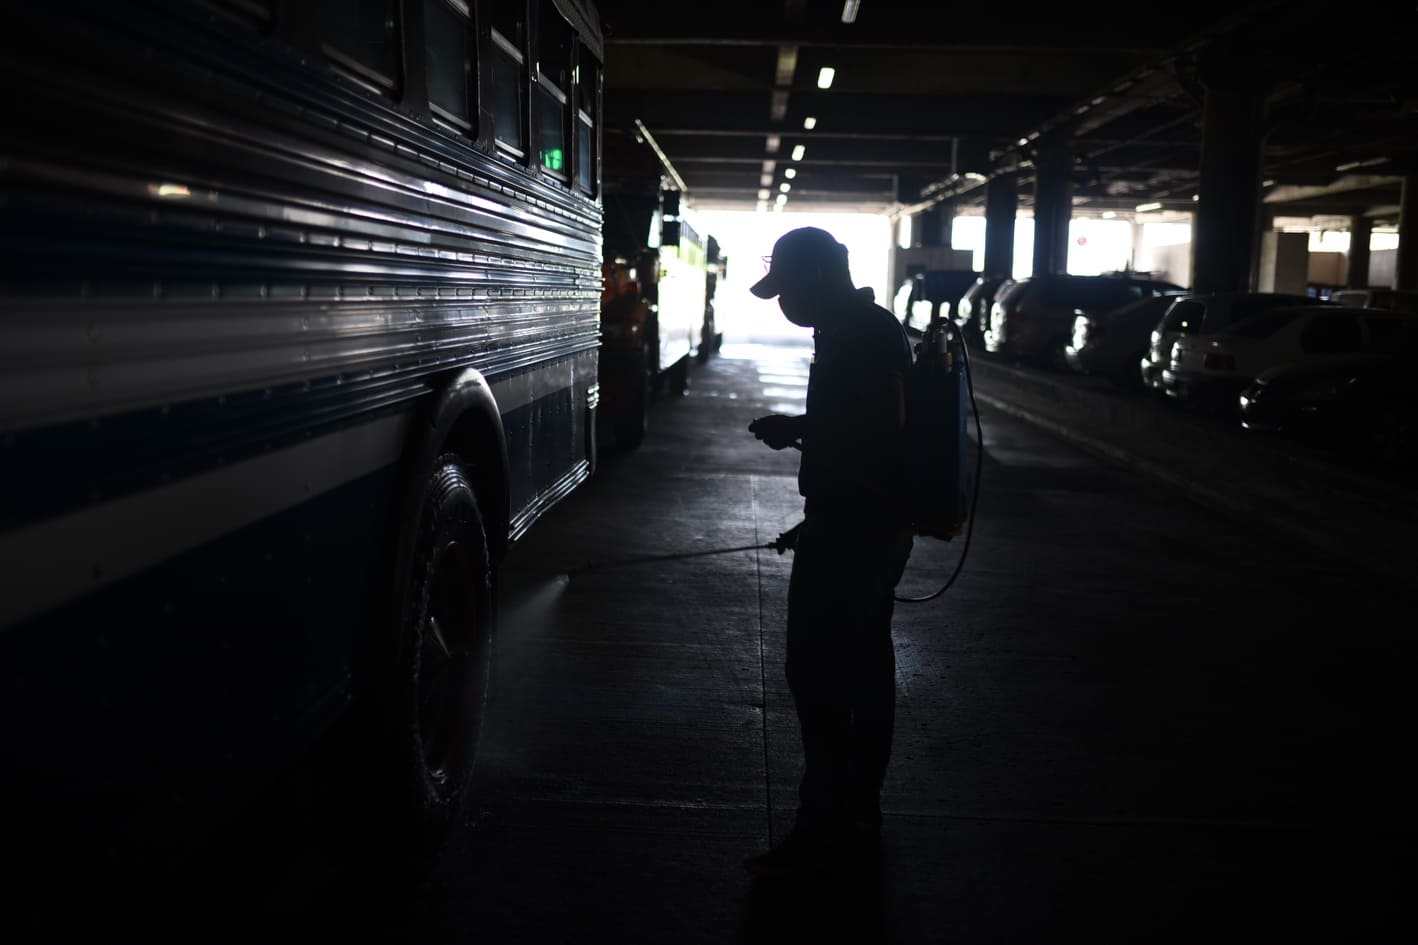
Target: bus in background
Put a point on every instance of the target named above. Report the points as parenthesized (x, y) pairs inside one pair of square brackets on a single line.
[(300, 332), (656, 303)]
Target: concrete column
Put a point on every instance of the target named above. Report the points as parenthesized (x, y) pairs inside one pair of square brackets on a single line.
[(1356, 276), (1262, 278), (1405, 274), (1053, 208), (931, 227), (1227, 213), (1001, 206)]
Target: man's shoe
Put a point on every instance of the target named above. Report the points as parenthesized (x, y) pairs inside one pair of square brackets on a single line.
[(818, 851), (799, 853)]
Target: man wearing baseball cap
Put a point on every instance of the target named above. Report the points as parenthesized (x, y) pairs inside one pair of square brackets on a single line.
[(849, 551)]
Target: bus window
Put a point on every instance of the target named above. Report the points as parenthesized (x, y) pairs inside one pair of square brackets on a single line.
[(447, 29), (553, 89), (587, 87), (508, 79), (363, 38)]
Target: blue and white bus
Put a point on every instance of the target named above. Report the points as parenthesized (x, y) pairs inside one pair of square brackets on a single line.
[(299, 331)]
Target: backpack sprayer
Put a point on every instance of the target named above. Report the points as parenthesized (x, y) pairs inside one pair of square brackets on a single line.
[(939, 480), (939, 398)]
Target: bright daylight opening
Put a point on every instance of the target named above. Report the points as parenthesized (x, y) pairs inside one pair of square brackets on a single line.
[(745, 237)]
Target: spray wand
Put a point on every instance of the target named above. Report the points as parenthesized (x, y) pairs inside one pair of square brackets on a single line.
[(783, 543)]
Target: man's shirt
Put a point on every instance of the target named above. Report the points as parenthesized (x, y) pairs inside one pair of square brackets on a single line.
[(853, 449)]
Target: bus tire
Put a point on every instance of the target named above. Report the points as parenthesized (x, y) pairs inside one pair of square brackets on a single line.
[(437, 695), (678, 379), (633, 419)]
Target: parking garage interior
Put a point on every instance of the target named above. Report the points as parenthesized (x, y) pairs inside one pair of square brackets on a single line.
[(1162, 702)]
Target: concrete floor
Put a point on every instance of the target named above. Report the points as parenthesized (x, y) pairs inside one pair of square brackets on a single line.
[(1131, 719)]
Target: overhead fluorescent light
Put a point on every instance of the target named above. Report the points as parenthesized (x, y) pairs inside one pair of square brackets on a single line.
[(798, 151), (825, 75), (1107, 214), (764, 194), (790, 173), (781, 199), (849, 11), (774, 143), (787, 64), (1196, 197), (809, 123), (765, 180), (785, 187), (1148, 207)]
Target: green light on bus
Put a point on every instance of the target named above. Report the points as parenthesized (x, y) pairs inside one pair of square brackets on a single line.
[(553, 160)]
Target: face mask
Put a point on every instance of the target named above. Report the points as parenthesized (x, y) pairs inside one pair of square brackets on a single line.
[(797, 308)]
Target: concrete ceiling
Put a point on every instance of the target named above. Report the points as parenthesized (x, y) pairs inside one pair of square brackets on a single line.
[(930, 96)]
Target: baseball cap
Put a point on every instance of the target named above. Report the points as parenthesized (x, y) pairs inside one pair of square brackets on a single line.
[(806, 252)]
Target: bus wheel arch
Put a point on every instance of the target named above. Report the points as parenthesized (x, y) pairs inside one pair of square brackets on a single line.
[(466, 421)]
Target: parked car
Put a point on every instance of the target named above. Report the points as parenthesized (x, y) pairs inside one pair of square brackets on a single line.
[(1393, 299), (1367, 402), (1033, 318), (1199, 314), (932, 294), (1214, 368), (972, 312), (1112, 344)]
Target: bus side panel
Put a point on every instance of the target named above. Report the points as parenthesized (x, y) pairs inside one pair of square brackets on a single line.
[(130, 712), (683, 282), (545, 413)]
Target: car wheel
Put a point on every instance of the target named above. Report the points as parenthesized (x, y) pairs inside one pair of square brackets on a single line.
[(1129, 376), (679, 378), (1394, 436)]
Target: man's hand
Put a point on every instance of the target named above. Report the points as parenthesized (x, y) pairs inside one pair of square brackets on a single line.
[(788, 541), (777, 430)]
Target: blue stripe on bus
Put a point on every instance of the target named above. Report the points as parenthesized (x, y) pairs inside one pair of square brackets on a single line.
[(51, 470)]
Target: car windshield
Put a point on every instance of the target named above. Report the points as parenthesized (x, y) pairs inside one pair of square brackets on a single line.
[(1091, 295), (1248, 306), (1007, 289), (1393, 334), (1263, 325)]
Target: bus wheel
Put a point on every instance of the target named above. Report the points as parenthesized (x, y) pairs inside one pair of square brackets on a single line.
[(633, 419), (442, 661), (679, 377)]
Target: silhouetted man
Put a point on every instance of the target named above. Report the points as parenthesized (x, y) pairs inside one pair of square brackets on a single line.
[(850, 550)]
